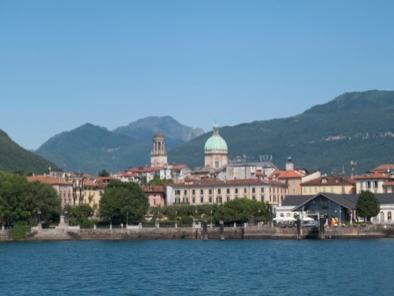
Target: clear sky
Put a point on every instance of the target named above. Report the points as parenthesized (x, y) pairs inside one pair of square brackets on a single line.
[(65, 63)]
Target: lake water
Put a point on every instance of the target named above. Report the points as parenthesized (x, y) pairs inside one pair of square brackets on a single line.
[(198, 268)]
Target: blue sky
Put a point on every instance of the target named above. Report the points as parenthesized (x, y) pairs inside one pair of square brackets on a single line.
[(64, 63)]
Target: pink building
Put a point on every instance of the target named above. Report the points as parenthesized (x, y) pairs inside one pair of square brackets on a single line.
[(156, 195), (63, 188)]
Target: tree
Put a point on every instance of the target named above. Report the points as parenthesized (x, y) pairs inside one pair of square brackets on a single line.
[(367, 205), (243, 210), (81, 215), (103, 173), (123, 202), (156, 181), (25, 202)]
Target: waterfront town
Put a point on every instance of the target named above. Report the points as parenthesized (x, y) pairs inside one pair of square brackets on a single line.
[(293, 193)]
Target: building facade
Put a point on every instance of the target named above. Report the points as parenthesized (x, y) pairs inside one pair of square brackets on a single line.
[(340, 208), (218, 192), (329, 184), (156, 195), (63, 188)]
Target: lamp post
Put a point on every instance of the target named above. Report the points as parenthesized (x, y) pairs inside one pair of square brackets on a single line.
[(176, 219), (39, 218), (66, 217), (2, 222)]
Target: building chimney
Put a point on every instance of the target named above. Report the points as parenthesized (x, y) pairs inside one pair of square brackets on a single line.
[(289, 164)]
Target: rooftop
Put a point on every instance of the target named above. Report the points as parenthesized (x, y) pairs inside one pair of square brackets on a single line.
[(218, 183), (49, 180), (330, 181), (346, 200)]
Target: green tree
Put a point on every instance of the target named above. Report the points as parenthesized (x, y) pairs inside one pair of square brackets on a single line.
[(367, 205), (123, 202), (103, 173), (156, 181), (244, 210), (22, 201), (81, 215)]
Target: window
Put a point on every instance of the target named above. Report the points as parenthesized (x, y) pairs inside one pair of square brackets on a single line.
[(177, 192), (236, 190), (245, 190), (194, 192), (253, 190), (194, 200), (389, 216), (219, 191), (210, 200), (185, 192), (201, 200), (210, 191), (201, 191), (228, 191)]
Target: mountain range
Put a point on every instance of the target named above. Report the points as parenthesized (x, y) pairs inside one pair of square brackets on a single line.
[(356, 126), (14, 158), (90, 148)]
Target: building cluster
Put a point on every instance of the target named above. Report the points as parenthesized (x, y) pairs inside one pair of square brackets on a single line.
[(291, 191)]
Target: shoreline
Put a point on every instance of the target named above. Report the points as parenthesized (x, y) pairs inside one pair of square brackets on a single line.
[(189, 233)]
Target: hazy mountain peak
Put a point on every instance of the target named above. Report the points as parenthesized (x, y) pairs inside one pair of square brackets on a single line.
[(167, 125), (91, 148)]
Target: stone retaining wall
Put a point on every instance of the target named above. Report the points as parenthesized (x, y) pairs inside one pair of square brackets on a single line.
[(215, 233)]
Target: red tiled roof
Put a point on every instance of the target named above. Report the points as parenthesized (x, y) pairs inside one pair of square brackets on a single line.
[(89, 183), (49, 180), (153, 189), (292, 174), (373, 176), (330, 181), (384, 168)]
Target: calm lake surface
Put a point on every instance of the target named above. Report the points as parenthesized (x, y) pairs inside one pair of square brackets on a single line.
[(198, 268)]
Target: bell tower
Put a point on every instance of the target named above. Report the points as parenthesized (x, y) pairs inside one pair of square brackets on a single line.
[(158, 156)]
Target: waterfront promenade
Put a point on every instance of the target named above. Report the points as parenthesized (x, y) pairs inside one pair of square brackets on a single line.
[(210, 233)]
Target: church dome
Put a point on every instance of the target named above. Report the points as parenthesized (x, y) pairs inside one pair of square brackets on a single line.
[(216, 142)]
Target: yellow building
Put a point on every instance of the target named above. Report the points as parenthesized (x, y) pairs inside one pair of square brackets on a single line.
[(329, 184), (218, 192)]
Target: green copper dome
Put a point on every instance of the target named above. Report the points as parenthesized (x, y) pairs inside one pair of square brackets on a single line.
[(216, 142)]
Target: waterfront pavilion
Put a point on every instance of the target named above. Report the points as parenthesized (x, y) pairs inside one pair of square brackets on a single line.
[(341, 207)]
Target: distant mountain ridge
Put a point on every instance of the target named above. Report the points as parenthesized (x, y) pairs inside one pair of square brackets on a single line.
[(354, 126), (14, 158), (90, 148), (173, 130)]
